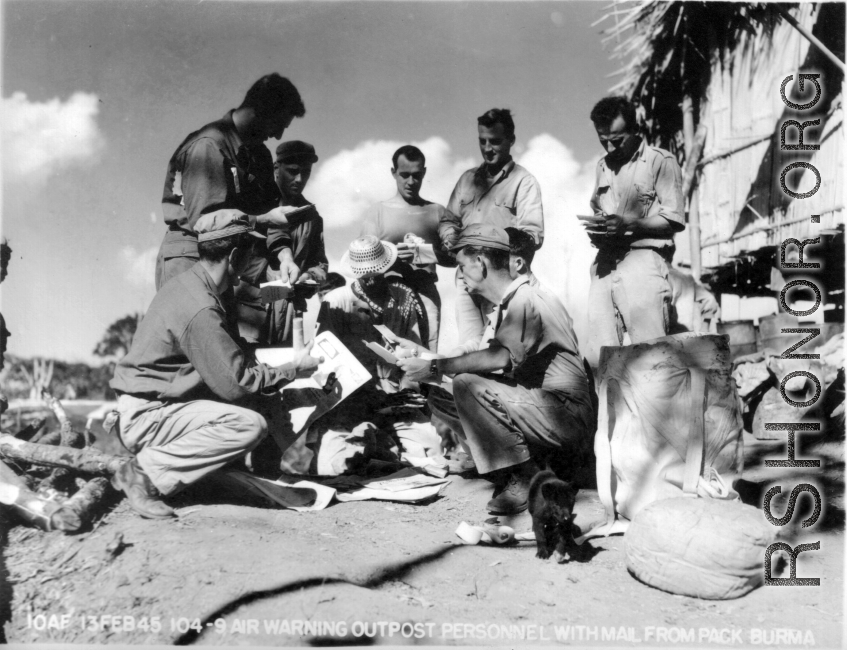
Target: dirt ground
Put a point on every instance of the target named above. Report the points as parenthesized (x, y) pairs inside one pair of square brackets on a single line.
[(389, 573)]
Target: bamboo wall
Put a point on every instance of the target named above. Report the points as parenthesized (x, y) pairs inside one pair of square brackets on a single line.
[(740, 198)]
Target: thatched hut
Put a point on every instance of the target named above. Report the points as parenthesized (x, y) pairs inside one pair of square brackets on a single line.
[(707, 79)]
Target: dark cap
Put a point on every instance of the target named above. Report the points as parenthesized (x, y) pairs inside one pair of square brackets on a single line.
[(223, 223), (481, 234), (296, 150)]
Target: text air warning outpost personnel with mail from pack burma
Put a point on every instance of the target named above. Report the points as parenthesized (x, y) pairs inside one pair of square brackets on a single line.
[(638, 202), (185, 369)]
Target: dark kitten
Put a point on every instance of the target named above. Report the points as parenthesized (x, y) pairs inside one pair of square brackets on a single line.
[(551, 502)]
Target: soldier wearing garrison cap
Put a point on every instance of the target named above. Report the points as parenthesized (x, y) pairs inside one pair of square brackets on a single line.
[(540, 408), (185, 386)]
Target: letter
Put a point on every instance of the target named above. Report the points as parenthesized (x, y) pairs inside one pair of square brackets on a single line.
[(793, 580), (801, 80), (607, 633), (800, 195), (446, 630), (687, 635), (357, 628), (562, 632), (801, 264), (393, 627), (796, 283), (792, 428), (272, 626), (800, 146), (252, 626), (792, 501), (807, 375), (811, 331), (808, 639), (736, 637), (592, 632), (237, 627), (649, 631), (703, 634)]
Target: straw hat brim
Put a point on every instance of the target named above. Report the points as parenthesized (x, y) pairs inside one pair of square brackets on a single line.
[(387, 263)]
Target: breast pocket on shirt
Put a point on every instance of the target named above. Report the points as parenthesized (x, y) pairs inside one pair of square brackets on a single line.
[(504, 212), (605, 199)]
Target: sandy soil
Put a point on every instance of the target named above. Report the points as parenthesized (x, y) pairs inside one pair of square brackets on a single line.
[(247, 575)]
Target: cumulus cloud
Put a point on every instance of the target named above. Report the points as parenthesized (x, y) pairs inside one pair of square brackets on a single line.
[(354, 179), (566, 184), (139, 266), (349, 182), (41, 138)]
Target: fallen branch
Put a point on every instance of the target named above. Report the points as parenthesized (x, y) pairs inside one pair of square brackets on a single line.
[(79, 510), (69, 437), (83, 460)]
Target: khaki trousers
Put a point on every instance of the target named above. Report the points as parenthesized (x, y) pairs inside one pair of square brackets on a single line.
[(630, 292), (503, 422), (178, 443)]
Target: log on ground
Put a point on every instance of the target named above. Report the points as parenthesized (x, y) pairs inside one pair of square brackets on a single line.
[(83, 460)]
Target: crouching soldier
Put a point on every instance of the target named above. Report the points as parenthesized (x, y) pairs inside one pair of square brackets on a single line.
[(185, 368), (539, 407)]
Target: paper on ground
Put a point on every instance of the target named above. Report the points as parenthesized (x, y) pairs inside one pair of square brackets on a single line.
[(306, 399), (301, 496)]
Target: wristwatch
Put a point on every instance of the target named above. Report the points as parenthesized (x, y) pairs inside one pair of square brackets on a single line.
[(433, 367)]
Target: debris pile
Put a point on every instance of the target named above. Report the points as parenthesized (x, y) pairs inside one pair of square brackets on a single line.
[(54, 479)]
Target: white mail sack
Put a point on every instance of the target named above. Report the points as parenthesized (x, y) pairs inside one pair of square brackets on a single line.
[(669, 424)]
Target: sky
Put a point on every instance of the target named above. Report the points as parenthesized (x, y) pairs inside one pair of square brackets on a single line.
[(97, 95)]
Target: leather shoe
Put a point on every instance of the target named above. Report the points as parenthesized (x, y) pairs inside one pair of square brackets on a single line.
[(514, 496), (142, 495)]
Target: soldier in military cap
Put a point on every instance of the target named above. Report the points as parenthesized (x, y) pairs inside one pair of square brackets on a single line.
[(539, 408), (182, 386)]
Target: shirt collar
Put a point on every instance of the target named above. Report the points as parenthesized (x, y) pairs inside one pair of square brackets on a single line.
[(641, 152), (507, 169), (200, 271), (512, 289), (227, 119)]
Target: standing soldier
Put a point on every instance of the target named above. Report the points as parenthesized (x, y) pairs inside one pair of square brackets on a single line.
[(225, 165), (499, 193), (639, 207), (411, 222), (304, 236)]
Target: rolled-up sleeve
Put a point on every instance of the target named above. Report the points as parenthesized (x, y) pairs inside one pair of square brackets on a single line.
[(222, 364), (520, 330), (668, 186), (530, 213)]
